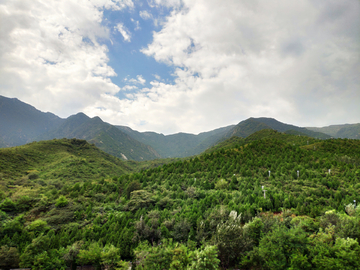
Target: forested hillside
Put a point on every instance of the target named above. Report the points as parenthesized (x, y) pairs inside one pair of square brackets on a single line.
[(351, 131), (270, 201), (105, 136)]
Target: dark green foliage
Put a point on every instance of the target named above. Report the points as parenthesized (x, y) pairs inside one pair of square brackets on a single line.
[(9, 257)]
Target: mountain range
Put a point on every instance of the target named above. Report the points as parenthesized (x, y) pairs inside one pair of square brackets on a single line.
[(21, 123)]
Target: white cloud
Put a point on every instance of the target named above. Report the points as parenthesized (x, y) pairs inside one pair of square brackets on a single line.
[(139, 80), (128, 87), (137, 24), (145, 15), (288, 60), (50, 56), (297, 61), (166, 3), (123, 31)]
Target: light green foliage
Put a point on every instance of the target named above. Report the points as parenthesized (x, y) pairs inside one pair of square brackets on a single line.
[(205, 259), (107, 256), (140, 199), (221, 184), (329, 254), (49, 260), (350, 209), (38, 226), (91, 255), (110, 257), (175, 256), (154, 257), (62, 201)]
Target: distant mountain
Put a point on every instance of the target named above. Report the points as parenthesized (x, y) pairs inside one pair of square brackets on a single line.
[(20, 123), (105, 136), (350, 131), (252, 125), (2, 143), (180, 144)]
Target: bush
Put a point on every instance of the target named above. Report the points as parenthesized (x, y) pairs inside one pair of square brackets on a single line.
[(61, 202), (8, 205)]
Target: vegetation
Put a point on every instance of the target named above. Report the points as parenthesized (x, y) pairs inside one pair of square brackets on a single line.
[(64, 203), (351, 131)]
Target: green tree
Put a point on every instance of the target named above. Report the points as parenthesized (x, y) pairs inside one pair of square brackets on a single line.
[(205, 259), (9, 257), (61, 201), (36, 247), (8, 205), (71, 254), (280, 248), (91, 255)]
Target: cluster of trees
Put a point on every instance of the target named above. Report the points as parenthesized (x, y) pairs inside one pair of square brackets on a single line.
[(207, 211)]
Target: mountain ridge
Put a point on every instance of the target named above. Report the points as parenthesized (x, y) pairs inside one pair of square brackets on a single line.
[(21, 123)]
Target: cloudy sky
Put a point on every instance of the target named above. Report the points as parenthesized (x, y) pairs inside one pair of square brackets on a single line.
[(184, 65)]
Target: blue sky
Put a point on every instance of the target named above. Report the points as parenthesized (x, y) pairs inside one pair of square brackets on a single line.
[(126, 57), (184, 65)]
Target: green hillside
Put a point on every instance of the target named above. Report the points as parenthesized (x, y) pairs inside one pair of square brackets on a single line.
[(350, 131), (105, 136), (206, 212), (64, 159)]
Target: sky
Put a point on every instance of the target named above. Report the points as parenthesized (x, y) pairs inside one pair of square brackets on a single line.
[(184, 65)]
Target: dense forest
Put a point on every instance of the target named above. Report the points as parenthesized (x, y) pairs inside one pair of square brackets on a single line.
[(270, 201)]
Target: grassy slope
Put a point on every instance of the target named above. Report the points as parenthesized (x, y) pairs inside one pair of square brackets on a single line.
[(65, 158)]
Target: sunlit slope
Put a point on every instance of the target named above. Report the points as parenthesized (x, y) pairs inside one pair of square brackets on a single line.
[(65, 159)]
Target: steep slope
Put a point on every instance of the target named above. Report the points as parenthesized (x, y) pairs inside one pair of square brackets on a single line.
[(20, 123), (350, 131), (180, 144), (105, 136)]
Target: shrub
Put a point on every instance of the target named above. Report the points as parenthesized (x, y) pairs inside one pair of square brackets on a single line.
[(61, 202)]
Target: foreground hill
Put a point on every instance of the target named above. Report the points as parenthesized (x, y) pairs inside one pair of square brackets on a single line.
[(105, 136), (64, 159), (270, 201)]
